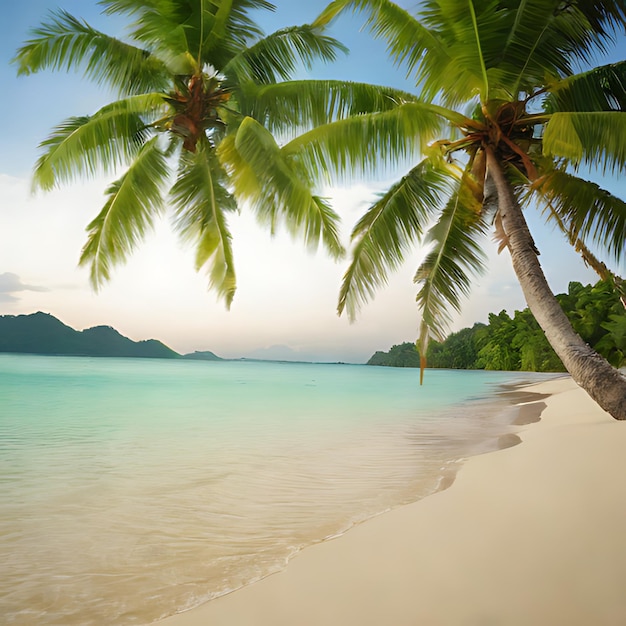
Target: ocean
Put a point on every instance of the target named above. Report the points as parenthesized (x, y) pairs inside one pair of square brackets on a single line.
[(133, 489)]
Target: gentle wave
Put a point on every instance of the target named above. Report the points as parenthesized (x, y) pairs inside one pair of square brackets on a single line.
[(134, 489)]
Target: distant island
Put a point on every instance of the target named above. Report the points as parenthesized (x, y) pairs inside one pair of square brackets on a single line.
[(205, 355), (42, 333)]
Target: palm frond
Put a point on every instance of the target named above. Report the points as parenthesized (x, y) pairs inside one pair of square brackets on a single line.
[(455, 256), (65, 43), (522, 44), (539, 39), (133, 202), (548, 36), (349, 145), (388, 230), (303, 104), (186, 35), (531, 52), (242, 27), (477, 56), (600, 89), (215, 31), (332, 11), (604, 18), (201, 201), (593, 138), (130, 7), (587, 211), (277, 188), (450, 48), (278, 55), (87, 145), (410, 42), (164, 27)]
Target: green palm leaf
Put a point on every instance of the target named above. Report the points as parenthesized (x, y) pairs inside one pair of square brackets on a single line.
[(536, 34), (455, 256), (181, 32), (604, 17), (272, 182), (587, 211), (91, 144), (409, 41), (241, 26), (65, 42), (133, 202), (348, 145), (388, 230), (202, 201), (594, 138), (278, 55), (546, 36), (303, 104), (600, 89)]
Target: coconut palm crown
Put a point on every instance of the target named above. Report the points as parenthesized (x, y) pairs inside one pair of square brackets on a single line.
[(504, 120), (201, 92)]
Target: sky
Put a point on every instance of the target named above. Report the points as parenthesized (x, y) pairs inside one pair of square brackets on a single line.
[(285, 306)]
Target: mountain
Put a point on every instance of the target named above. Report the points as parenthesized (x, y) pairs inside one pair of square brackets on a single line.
[(42, 333)]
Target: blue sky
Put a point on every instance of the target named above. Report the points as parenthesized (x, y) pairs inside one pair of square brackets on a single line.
[(286, 296)]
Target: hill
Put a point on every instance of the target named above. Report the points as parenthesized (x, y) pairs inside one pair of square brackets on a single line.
[(206, 355), (42, 333)]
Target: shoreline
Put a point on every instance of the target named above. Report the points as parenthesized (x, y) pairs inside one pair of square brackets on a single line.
[(525, 534)]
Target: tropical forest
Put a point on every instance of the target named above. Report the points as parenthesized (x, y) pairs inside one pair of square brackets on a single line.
[(518, 343)]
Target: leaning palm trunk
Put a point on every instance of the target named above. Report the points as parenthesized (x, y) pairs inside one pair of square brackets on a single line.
[(592, 372), (504, 75)]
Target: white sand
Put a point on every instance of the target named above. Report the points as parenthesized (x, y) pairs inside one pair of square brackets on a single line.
[(533, 535)]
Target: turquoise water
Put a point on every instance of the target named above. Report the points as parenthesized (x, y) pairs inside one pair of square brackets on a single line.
[(132, 489)]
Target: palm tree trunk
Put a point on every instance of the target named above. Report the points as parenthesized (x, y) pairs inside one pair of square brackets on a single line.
[(591, 371)]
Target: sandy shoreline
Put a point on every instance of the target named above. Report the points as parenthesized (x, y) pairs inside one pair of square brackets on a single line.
[(530, 534)]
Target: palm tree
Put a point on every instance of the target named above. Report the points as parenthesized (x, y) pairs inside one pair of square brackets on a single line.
[(505, 121), (201, 90)]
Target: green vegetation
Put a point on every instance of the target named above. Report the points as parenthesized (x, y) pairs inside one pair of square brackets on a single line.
[(518, 343), (505, 123), (202, 91), (403, 355)]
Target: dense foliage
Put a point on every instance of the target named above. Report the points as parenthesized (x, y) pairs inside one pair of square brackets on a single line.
[(518, 343), (403, 355)]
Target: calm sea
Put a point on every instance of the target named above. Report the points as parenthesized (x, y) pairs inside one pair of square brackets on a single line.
[(132, 489)]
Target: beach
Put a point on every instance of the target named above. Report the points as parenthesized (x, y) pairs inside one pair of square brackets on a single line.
[(136, 489), (534, 533)]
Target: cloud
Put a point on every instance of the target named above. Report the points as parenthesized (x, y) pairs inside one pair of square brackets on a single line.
[(11, 283)]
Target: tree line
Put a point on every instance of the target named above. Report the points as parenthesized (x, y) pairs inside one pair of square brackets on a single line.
[(517, 343)]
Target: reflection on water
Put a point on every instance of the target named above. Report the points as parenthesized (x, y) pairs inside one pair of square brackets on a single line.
[(132, 489)]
